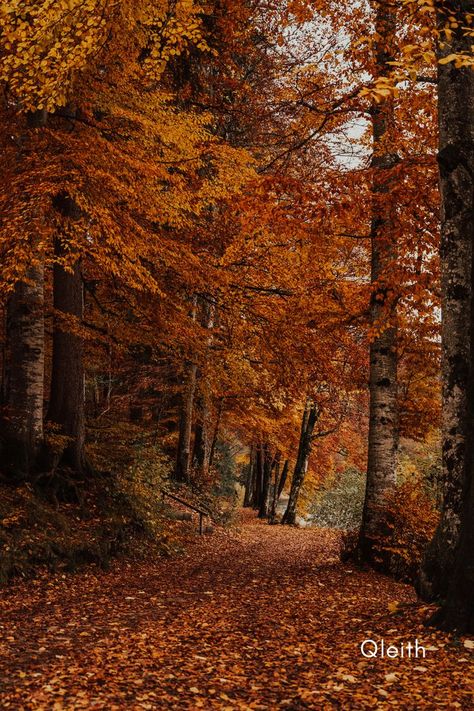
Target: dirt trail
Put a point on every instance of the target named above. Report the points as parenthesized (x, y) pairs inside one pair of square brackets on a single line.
[(265, 620)]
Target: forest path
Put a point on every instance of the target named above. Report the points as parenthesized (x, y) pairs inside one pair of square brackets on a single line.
[(265, 620)]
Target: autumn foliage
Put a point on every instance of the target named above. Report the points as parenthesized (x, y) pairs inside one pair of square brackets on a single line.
[(221, 280)]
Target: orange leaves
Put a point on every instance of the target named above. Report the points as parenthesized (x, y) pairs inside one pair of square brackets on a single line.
[(172, 34), (382, 88), (44, 44), (283, 628)]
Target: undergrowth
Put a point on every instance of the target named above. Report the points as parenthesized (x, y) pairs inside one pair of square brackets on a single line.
[(57, 522), (46, 526)]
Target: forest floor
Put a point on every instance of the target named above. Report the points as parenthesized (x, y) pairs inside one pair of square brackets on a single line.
[(265, 618)]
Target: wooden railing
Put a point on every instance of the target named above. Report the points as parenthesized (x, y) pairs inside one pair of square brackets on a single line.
[(202, 513)]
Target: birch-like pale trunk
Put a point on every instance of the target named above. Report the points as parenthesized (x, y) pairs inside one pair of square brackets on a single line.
[(456, 165), (24, 394), (383, 408)]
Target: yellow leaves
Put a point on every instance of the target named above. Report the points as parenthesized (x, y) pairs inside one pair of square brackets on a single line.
[(41, 53), (172, 34), (383, 88), (448, 59), (459, 60)]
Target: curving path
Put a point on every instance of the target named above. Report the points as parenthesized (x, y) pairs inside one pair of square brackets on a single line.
[(265, 620)]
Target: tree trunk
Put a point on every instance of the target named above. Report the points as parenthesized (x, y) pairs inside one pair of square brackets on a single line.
[(456, 163), (23, 386), (215, 435), (383, 409), (202, 441), (276, 484), (267, 476), (284, 477), (201, 448), (183, 461), (249, 482), (457, 612), (259, 467), (24, 392), (67, 397), (310, 417), (182, 472)]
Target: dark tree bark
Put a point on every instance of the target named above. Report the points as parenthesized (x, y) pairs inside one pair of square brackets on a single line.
[(202, 444), (182, 471), (249, 482), (445, 569), (22, 422), (275, 494), (284, 477), (136, 413), (202, 438), (383, 408), (67, 396), (457, 611), (259, 467), (310, 417), (266, 481), (215, 435), (21, 433), (183, 460)]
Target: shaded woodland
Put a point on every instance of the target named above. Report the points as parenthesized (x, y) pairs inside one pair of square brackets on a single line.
[(237, 266)]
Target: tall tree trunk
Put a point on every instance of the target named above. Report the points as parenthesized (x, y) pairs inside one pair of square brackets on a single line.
[(457, 612), (183, 461), (21, 433), (456, 163), (202, 444), (182, 472), (259, 467), (266, 481), (249, 481), (24, 392), (215, 435), (284, 477), (383, 409), (276, 484), (202, 440), (310, 417), (67, 396)]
